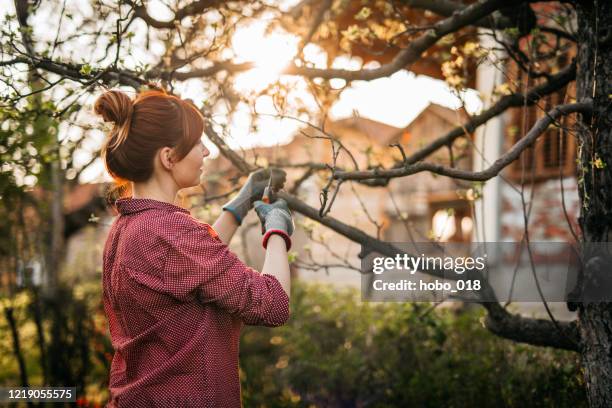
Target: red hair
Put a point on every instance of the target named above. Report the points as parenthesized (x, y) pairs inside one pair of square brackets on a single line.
[(154, 119)]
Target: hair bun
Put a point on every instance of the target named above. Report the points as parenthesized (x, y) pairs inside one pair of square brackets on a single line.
[(114, 106)]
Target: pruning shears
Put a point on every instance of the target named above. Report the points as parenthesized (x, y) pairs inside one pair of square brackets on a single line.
[(269, 193), (275, 183)]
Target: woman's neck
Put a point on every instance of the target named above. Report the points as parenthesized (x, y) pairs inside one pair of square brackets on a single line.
[(156, 191)]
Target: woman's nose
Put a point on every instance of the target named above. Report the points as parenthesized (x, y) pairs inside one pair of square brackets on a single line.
[(206, 152)]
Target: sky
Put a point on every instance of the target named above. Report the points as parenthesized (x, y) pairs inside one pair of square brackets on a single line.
[(398, 99)]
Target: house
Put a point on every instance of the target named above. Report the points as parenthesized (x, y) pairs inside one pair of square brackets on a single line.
[(434, 207), (538, 192)]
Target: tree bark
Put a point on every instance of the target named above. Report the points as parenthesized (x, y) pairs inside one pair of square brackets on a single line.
[(595, 181), (23, 372)]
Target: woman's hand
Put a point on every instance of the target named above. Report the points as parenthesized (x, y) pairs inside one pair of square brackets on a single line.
[(275, 219), (253, 190)]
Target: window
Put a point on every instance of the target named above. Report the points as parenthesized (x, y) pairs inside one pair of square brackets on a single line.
[(553, 153), (450, 218)]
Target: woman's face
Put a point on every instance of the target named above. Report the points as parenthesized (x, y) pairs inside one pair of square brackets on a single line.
[(187, 172)]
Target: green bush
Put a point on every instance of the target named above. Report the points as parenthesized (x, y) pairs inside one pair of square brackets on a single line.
[(68, 347), (338, 351), (335, 351)]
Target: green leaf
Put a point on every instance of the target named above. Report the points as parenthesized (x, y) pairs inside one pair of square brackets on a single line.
[(85, 69), (512, 31), (363, 14)]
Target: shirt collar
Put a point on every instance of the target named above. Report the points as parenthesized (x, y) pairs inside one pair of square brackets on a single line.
[(132, 205)]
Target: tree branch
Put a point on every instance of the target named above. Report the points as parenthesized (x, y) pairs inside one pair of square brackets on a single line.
[(73, 71), (323, 8), (537, 332), (192, 9), (536, 131), (529, 98), (446, 8), (22, 9), (408, 56), (203, 72), (556, 82)]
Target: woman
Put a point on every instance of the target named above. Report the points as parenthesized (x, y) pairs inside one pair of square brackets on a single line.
[(175, 296)]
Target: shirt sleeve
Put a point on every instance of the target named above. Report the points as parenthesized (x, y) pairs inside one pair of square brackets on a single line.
[(200, 264)]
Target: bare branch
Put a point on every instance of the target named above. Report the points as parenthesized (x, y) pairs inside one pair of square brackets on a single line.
[(192, 9), (200, 73), (556, 82), (376, 177), (73, 72), (492, 171), (22, 9), (537, 332), (446, 8)]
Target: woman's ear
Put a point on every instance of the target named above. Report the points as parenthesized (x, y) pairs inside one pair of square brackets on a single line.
[(165, 156)]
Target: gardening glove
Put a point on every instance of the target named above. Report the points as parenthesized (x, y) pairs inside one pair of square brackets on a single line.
[(253, 190), (275, 219)]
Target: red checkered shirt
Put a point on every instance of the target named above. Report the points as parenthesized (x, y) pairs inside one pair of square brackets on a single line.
[(176, 298)]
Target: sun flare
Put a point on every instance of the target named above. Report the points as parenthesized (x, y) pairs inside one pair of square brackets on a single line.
[(271, 52)]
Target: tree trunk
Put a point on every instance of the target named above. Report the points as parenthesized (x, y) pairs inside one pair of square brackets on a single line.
[(595, 185), (56, 244)]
